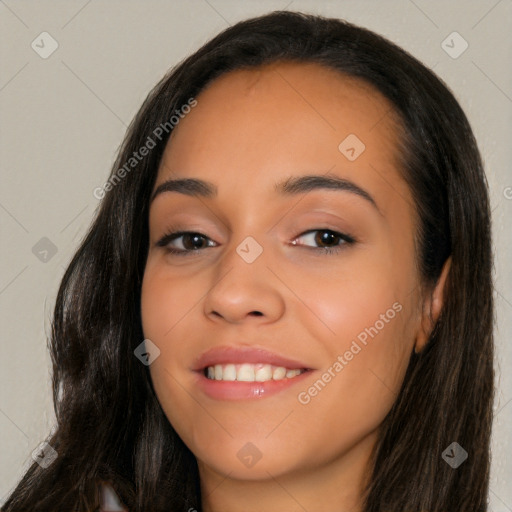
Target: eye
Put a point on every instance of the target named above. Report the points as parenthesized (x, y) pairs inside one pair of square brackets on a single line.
[(329, 240), (191, 242)]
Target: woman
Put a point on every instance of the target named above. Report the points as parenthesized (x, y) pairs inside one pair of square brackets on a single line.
[(210, 353)]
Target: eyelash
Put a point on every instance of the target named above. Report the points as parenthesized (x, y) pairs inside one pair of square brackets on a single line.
[(173, 235)]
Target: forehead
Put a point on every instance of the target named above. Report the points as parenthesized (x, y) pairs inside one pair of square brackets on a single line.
[(258, 126)]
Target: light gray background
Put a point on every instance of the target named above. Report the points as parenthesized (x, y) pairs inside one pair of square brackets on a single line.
[(63, 118)]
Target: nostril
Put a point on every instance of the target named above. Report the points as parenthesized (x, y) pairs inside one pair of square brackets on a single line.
[(256, 313)]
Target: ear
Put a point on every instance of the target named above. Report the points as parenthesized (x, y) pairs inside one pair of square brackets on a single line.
[(432, 307)]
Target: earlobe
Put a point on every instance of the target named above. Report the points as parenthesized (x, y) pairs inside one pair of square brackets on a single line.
[(432, 307)]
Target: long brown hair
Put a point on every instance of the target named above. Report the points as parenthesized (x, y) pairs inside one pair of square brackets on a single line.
[(110, 424)]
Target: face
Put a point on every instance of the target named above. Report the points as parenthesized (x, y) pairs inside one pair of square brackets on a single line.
[(276, 273)]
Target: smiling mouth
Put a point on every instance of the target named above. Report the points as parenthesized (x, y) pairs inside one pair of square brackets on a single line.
[(247, 372)]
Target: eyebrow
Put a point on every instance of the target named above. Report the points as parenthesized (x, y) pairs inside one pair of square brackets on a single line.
[(294, 185)]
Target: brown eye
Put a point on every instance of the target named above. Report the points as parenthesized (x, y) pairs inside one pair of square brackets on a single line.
[(327, 237), (193, 241), (190, 242), (326, 240)]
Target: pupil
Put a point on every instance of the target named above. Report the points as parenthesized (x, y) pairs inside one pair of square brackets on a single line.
[(326, 237), (195, 239)]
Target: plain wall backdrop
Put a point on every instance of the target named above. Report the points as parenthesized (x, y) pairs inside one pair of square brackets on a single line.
[(72, 76)]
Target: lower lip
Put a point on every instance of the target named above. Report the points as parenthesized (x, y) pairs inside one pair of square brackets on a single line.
[(236, 390)]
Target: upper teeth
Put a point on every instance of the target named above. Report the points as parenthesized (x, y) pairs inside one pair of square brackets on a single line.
[(250, 372)]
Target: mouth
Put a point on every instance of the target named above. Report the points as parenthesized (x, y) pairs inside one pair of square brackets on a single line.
[(237, 373)]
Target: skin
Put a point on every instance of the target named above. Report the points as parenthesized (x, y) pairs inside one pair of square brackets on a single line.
[(249, 130)]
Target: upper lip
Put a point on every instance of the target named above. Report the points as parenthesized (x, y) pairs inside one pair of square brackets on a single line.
[(238, 355)]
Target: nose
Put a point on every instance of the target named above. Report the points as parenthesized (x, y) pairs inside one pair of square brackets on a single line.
[(243, 290)]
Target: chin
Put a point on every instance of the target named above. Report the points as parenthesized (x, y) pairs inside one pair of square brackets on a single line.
[(248, 461)]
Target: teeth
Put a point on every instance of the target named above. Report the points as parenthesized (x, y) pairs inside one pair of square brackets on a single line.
[(264, 373), (250, 372), (229, 372), (245, 372), (279, 373)]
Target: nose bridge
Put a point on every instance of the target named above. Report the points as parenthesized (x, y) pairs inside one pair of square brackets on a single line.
[(244, 260), (249, 240)]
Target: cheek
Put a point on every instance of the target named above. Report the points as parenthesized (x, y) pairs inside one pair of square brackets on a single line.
[(365, 330), (364, 303), (164, 306), (151, 306), (359, 383), (164, 300)]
